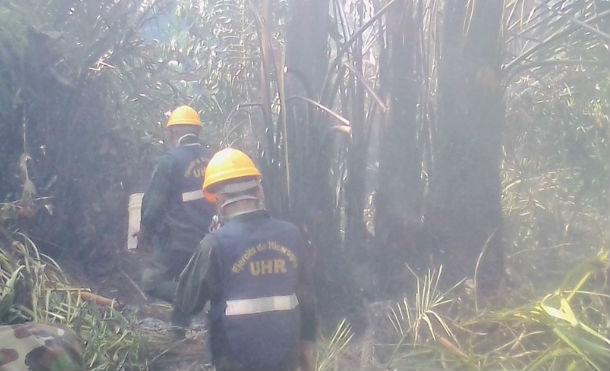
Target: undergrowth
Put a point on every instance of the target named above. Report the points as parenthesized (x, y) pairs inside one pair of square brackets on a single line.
[(434, 329), (34, 288), (567, 329)]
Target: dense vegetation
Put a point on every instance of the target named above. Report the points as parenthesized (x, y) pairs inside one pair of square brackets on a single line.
[(402, 135)]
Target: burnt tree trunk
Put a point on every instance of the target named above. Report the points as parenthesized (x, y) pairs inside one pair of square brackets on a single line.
[(314, 149), (397, 201), (274, 169), (464, 215), (306, 62), (310, 141)]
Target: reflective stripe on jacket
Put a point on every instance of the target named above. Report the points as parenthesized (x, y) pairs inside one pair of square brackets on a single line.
[(256, 319)]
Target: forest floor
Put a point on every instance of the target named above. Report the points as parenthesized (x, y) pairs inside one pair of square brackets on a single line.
[(119, 282)]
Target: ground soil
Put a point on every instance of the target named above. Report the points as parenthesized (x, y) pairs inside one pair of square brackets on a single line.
[(120, 281)]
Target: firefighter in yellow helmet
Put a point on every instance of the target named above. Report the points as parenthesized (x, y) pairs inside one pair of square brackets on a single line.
[(255, 271), (175, 215)]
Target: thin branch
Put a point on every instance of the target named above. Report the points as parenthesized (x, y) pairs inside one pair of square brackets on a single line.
[(368, 87), (332, 113), (555, 63), (550, 39), (346, 45), (364, 27), (135, 285), (476, 268), (600, 33)]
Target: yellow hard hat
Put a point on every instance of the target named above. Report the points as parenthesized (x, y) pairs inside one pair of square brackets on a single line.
[(184, 115), (227, 165)]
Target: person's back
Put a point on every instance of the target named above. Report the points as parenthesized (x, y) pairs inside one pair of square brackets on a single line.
[(175, 214), (255, 320), (256, 273), (188, 214)]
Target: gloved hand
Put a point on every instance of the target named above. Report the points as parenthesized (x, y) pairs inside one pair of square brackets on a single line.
[(306, 356)]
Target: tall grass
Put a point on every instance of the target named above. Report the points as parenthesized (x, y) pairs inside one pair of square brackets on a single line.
[(567, 329), (334, 347), (34, 288)]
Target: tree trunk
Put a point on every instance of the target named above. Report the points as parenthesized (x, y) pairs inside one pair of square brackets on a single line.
[(272, 171), (357, 153), (464, 215), (308, 139), (397, 200)]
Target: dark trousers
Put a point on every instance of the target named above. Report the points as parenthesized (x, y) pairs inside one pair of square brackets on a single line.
[(173, 250), (160, 279)]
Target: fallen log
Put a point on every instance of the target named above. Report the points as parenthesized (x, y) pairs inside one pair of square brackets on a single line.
[(100, 300)]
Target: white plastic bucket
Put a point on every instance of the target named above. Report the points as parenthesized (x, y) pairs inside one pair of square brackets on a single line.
[(134, 208)]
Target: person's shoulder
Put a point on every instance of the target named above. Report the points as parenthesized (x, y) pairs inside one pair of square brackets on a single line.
[(227, 229), (169, 157), (191, 150), (165, 164), (228, 233), (209, 242), (284, 224), (174, 151)]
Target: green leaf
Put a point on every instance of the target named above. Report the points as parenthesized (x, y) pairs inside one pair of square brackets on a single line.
[(564, 312)]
